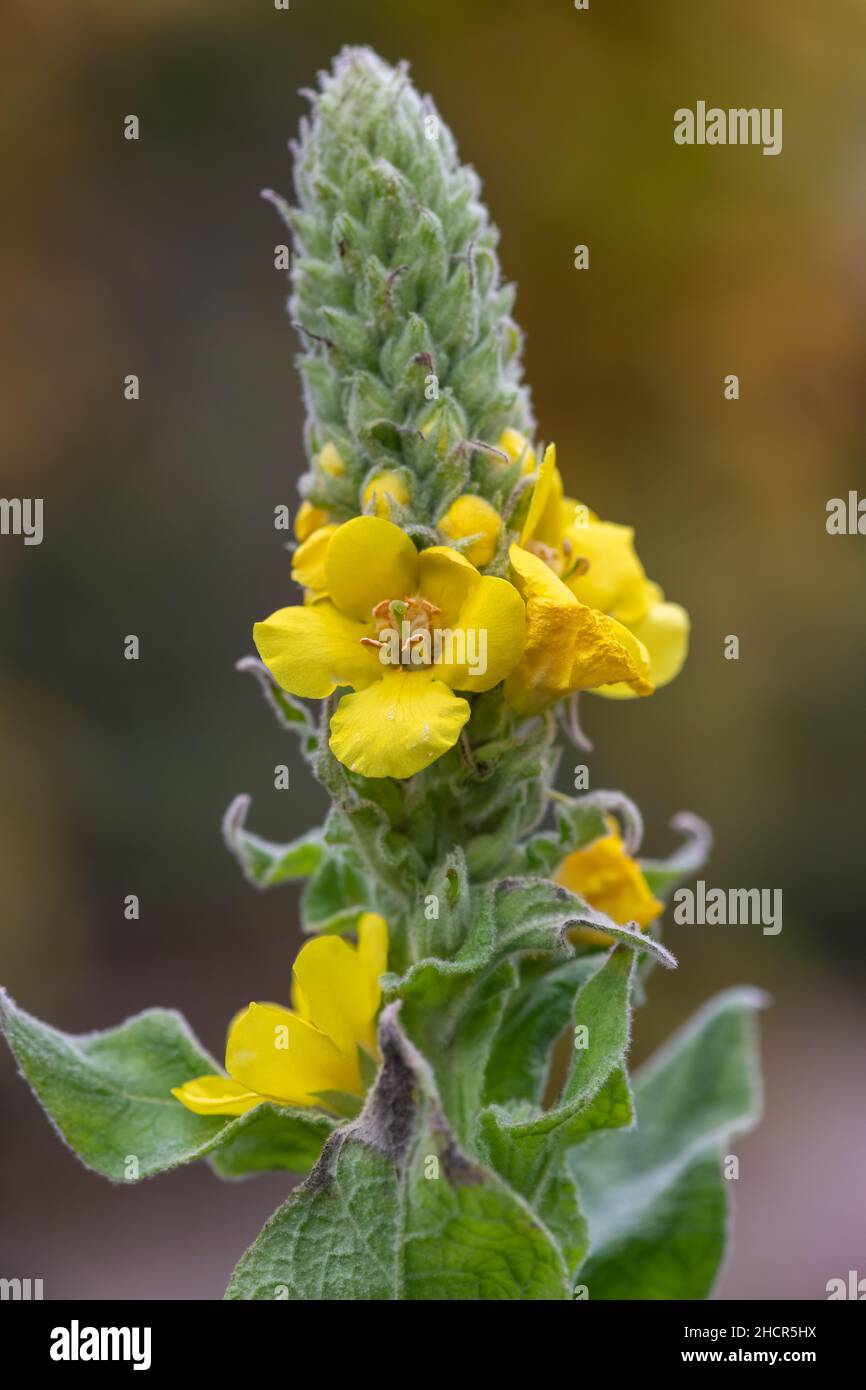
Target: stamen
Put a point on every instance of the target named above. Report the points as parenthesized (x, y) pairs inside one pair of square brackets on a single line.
[(580, 567), (425, 603)]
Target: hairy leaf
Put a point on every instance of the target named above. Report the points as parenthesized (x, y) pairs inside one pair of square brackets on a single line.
[(655, 1197), (108, 1095), (394, 1210), (525, 1143), (537, 1012)]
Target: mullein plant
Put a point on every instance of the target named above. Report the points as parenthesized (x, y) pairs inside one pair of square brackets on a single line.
[(466, 919)]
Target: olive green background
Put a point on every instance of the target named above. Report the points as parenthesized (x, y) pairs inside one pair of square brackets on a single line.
[(156, 257)]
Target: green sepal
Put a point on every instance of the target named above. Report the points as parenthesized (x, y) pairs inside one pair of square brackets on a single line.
[(664, 875), (578, 822), (266, 865), (448, 886)]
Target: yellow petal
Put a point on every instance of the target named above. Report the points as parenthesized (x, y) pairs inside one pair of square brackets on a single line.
[(491, 631), (544, 518), (665, 634), (373, 954), (470, 515), (517, 446), (605, 876), (446, 578), (334, 992), (537, 581), (309, 519), (577, 514), (569, 647), (284, 1057), (308, 561), (615, 582), (397, 726), (384, 488), (311, 650), (216, 1095), (369, 560)]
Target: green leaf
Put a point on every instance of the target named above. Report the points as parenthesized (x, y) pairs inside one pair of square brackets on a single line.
[(265, 864), (270, 1139), (335, 896), (535, 914), (454, 1006), (457, 1035), (525, 1143), (534, 1017), (559, 1209), (394, 1210), (655, 1197), (108, 1095)]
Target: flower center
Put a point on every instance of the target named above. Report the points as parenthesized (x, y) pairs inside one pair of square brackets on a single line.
[(405, 626), (564, 563)]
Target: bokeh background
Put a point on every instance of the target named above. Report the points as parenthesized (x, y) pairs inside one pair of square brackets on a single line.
[(156, 258)]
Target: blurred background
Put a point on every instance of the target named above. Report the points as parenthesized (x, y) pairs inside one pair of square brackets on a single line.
[(156, 257)]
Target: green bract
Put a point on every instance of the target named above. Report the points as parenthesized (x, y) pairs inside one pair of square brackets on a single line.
[(478, 1167)]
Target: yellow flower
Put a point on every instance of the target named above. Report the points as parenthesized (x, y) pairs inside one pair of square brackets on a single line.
[(605, 876), (517, 446), (309, 519), (597, 562), (470, 515), (382, 490), (330, 462), (296, 1056), (569, 647), (405, 630)]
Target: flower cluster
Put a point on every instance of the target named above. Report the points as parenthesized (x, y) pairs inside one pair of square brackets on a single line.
[(573, 610), (395, 630)]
